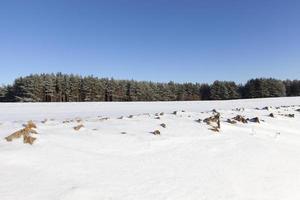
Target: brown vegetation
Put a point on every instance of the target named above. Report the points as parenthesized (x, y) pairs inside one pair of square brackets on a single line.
[(44, 121), (163, 125), (27, 139), (255, 119), (240, 118), (156, 132), (25, 132), (213, 121), (231, 121), (198, 120), (104, 119), (77, 128)]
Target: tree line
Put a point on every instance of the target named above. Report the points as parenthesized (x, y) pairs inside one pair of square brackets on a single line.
[(74, 88)]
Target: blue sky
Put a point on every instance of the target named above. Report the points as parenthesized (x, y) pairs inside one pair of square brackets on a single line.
[(184, 41)]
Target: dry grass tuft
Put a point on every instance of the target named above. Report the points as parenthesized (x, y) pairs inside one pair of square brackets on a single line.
[(163, 125), (214, 122), (77, 128), (156, 132), (25, 132), (240, 118)]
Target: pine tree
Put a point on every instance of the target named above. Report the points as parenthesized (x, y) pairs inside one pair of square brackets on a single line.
[(205, 91), (292, 87), (74, 88), (48, 88), (219, 91), (3, 93), (19, 90), (259, 88), (65, 88)]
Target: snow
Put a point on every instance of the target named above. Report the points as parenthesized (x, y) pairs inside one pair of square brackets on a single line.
[(253, 161)]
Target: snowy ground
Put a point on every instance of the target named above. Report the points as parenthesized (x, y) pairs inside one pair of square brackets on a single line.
[(253, 161)]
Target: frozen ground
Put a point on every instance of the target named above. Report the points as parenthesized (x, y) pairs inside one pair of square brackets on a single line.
[(253, 161)]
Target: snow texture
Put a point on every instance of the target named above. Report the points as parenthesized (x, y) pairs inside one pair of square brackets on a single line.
[(118, 158)]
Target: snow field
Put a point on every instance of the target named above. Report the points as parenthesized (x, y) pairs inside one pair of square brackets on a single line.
[(187, 161)]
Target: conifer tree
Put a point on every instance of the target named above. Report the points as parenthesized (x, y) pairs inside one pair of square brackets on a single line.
[(72, 88)]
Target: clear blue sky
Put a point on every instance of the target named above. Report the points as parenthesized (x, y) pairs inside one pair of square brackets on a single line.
[(184, 41)]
